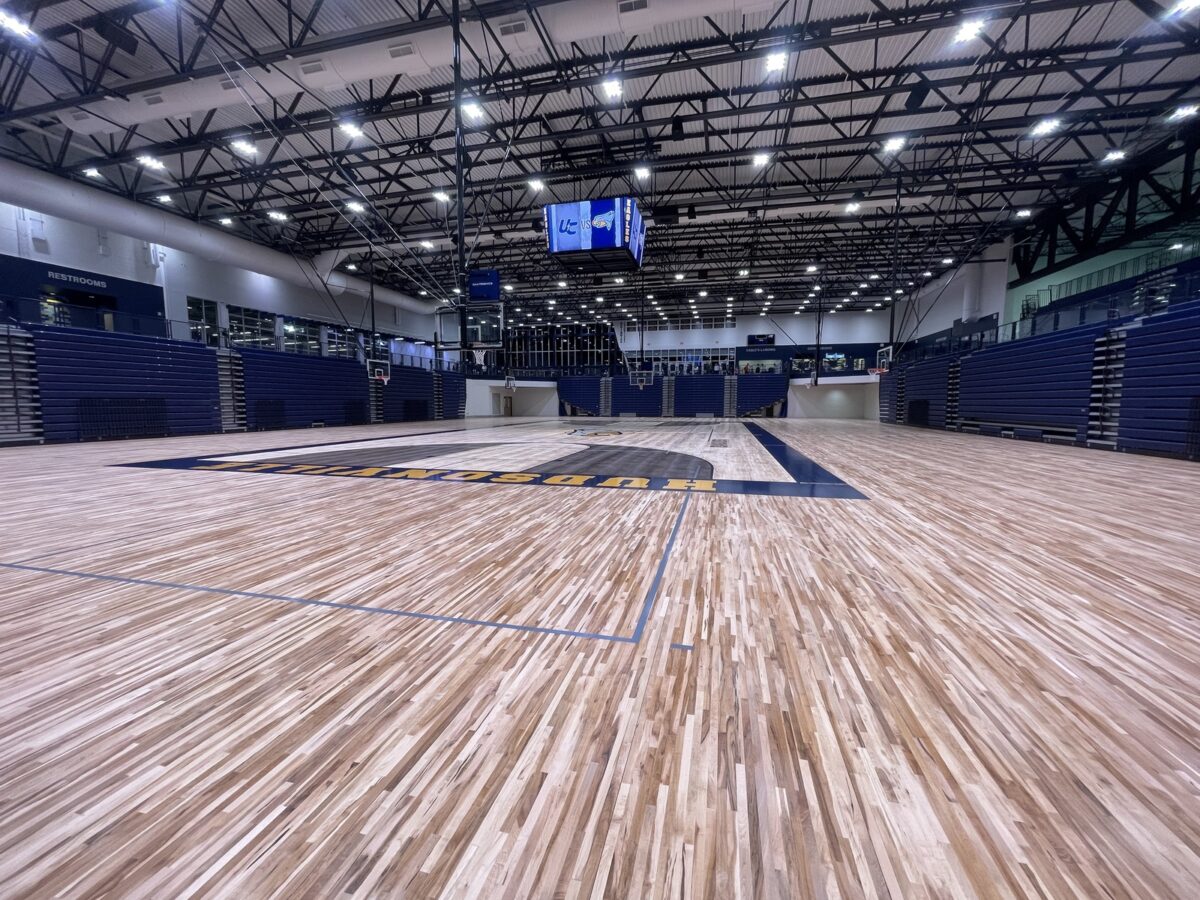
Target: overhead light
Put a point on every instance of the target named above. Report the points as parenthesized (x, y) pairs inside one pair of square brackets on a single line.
[(679, 276), (704, 293), (742, 273), (355, 207), (1114, 156), (926, 274), (473, 110), (164, 198), (426, 294), (91, 173), (509, 288), (853, 206), (599, 299), (854, 293), (761, 159), (758, 290), (276, 215), (441, 196), (776, 62), (15, 26), (649, 296), (1024, 213), (810, 269), (150, 162), (244, 148), (641, 173), (728, 299), (536, 184), (1183, 112), (226, 222), (969, 30), (816, 287), (873, 277), (948, 261), (350, 130), (428, 245), (351, 267), (1183, 6), (562, 284), (894, 144), (459, 291), (863, 285), (618, 281), (1045, 127), (612, 88), (1177, 246)]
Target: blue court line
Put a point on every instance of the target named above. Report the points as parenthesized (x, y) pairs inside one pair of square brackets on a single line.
[(636, 637), (796, 464), (682, 647)]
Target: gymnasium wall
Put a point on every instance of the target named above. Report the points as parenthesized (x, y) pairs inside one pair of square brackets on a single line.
[(789, 330), (974, 290), (181, 275), (833, 401)]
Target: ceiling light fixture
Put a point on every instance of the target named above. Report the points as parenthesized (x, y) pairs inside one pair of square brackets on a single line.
[(150, 162), (276, 216), (1183, 112), (777, 62), (894, 144), (441, 196), (350, 130), (1024, 213), (243, 148), (761, 159), (810, 269), (536, 184), (473, 110), (15, 26), (969, 30), (91, 173), (164, 198), (1114, 156), (853, 206), (226, 222), (948, 261), (355, 207), (679, 276), (1045, 127), (641, 173), (612, 89), (428, 245)]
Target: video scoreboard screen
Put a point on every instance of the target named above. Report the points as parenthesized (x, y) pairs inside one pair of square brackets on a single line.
[(596, 235)]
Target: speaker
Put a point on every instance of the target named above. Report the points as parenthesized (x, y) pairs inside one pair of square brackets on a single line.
[(916, 98), (677, 129)]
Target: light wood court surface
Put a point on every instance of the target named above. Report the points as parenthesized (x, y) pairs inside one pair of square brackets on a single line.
[(983, 681)]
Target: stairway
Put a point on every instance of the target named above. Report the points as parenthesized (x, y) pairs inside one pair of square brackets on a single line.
[(376, 401), (439, 397), (606, 396), (232, 389), (952, 397), (731, 382), (20, 411), (1108, 373), (901, 400), (668, 396)]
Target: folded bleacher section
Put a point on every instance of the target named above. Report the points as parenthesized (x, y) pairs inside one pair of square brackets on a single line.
[(1036, 388), (699, 395), (408, 396), (289, 390), (581, 392), (926, 391), (755, 392), (454, 394), (628, 399), (889, 382), (95, 385), (1160, 398)]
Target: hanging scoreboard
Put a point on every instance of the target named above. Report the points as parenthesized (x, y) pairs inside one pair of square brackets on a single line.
[(596, 235)]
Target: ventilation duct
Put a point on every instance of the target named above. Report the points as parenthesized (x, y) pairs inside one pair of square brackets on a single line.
[(53, 196)]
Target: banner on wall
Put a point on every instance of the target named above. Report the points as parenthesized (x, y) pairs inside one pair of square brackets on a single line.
[(33, 279)]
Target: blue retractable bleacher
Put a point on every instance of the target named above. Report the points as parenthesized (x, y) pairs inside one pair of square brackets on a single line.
[(96, 384), (628, 399), (454, 395), (757, 391), (289, 390), (408, 396), (581, 392), (699, 395), (1041, 384), (1160, 393), (888, 383), (926, 388)]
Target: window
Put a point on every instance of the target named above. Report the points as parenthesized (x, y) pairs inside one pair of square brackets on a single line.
[(251, 328), (341, 342), (301, 336), (202, 321)]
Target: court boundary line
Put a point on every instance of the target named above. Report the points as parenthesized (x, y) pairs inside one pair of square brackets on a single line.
[(639, 629)]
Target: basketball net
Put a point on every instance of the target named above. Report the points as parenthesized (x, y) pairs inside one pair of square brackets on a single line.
[(480, 356)]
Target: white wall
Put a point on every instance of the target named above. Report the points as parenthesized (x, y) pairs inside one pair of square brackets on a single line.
[(182, 275), (974, 290), (532, 398), (834, 401), (789, 329)]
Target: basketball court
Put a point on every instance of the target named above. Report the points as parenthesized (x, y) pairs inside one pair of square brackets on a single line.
[(623, 691)]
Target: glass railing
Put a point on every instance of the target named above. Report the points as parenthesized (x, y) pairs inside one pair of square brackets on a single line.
[(1145, 299)]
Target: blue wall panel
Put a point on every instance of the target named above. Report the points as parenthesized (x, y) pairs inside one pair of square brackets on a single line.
[(928, 383), (289, 390), (700, 394), (1160, 399), (757, 391), (97, 384), (454, 395)]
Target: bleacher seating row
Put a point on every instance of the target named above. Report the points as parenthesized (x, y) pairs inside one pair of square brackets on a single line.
[(94, 384), (700, 395), (757, 391), (290, 390), (1160, 401), (629, 400), (98, 384), (1045, 387)]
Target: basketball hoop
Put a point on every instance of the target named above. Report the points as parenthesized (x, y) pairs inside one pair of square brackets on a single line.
[(641, 380), (877, 372), (480, 357), (510, 384), (379, 370)]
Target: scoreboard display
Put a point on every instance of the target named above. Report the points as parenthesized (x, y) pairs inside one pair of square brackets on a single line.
[(596, 235)]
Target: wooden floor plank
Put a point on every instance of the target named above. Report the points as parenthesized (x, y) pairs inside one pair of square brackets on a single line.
[(983, 681)]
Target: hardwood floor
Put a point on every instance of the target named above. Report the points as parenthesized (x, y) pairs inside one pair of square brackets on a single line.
[(982, 681)]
